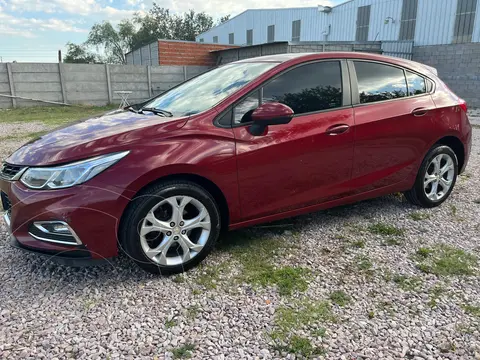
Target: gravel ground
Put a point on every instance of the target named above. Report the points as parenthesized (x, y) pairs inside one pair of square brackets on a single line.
[(384, 305)]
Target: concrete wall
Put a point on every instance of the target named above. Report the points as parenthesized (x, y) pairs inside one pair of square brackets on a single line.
[(458, 65), (87, 83)]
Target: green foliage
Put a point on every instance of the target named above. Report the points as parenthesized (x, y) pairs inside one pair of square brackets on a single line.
[(418, 216), (385, 229), (51, 115), (170, 323), (358, 244), (79, 54), (472, 310), (183, 352), (444, 260), (302, 314), (363, 263), (339, 297), (407, 283), (256, 255)]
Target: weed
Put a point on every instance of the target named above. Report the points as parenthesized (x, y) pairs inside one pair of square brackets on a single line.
[(424, 252), (371, 314), (360, 244), (385, 229), (407, 283), (445, 260), (302, 314), (472, 310), (391, 242), (179, 279), (256, 257), (454, 210), (170, 323), (193, 311), (363, 263), (340, 298), (320, 332), (183, 352), (418, 216), (435, 293)]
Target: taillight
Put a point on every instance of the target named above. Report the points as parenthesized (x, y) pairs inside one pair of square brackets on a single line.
[(463, 105)]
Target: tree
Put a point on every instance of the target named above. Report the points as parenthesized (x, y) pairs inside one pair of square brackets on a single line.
[(79, 54), (223, 19), (115, 43), (159, 23)]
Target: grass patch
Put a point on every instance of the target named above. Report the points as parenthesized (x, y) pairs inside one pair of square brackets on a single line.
[(385, 229), (193, 311), (454, 210), (418, 216), (475, 126), (52, 115), (256, 255), (363, 263), (444, 260), (435, 293), (407, 283), (391, 242), (472, 310), (179, 279), (183, 352), (302, 315), (339, 297), (170, 323), (359, 244)]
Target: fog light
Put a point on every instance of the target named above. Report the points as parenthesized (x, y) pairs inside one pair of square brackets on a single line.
[(54, 231), (60, 228)]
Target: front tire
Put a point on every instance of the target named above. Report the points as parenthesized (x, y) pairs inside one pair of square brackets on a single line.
[(170, 227), (435, 179)]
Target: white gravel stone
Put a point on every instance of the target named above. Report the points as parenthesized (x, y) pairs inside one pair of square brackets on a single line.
[(120, 312)]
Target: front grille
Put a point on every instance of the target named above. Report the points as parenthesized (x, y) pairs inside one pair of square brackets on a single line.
[(11, 172), (6, 204)]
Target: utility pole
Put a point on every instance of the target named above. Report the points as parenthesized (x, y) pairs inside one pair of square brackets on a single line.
[(59, 56)]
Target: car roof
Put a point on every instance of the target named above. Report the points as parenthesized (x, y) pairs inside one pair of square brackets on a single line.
[(295, 58)]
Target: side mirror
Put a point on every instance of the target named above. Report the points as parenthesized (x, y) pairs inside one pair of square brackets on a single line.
[(271, 113)]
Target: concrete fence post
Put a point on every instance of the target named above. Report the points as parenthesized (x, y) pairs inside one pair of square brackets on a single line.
[(11, 84), (109, 85), (149, 79), (62, 82), (184, 73)]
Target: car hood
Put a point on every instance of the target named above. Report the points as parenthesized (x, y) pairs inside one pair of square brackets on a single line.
[(110, 132)]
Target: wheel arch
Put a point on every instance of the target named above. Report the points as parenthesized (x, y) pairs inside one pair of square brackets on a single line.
[(457, 146), (202, 181)]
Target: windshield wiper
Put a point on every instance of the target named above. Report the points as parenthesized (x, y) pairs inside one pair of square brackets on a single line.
[(157, 111), (133, 110)]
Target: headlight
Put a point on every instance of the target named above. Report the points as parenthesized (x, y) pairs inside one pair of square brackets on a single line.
[(69, 175)]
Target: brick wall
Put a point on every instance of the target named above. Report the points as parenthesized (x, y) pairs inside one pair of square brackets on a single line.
[(458, 66), (188, 53)]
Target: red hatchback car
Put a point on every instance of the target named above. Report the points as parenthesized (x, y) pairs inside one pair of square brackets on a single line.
[(249, 142)]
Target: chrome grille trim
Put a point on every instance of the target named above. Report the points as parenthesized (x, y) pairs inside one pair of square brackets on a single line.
[(11, 172)]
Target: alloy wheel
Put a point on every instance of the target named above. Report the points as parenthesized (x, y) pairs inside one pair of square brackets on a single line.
[(439, 177), (175, 230)]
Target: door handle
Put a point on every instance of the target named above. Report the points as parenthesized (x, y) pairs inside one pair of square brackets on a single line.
[(419, 112), (337, 129)]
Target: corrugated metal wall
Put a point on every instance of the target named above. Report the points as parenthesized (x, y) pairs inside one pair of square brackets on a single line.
[(434, 24)]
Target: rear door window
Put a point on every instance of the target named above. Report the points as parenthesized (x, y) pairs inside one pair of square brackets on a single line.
[(379, 82)]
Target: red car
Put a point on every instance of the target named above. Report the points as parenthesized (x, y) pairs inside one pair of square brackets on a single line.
[(249, 142)]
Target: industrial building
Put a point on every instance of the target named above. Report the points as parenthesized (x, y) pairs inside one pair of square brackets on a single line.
[(425, 22)]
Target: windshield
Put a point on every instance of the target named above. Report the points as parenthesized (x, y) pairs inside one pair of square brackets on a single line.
[(206, 90)]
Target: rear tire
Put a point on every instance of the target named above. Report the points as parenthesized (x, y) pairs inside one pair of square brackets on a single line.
[(170, 227), (435, 179)]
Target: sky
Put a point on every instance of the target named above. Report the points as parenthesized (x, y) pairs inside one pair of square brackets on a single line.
[(34, 30)]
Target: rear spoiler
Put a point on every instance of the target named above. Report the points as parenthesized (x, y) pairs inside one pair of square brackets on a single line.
[(431, 69)]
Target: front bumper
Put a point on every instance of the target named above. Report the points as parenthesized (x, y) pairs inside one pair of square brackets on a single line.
[(93, 211)]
